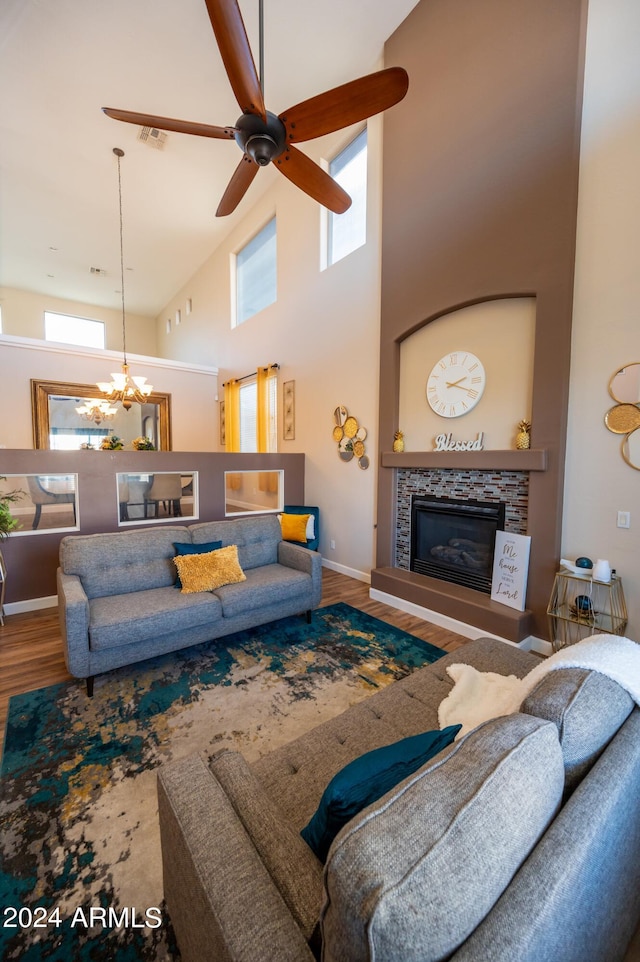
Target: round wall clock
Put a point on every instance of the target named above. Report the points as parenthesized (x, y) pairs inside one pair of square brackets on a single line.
[(455, 384)]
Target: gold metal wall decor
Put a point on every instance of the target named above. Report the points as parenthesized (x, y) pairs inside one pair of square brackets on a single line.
[(624, 417), (350, 437), (289, 411)]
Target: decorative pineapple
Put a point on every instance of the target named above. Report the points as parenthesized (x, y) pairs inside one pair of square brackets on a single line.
[(398, 442), (523, 437)]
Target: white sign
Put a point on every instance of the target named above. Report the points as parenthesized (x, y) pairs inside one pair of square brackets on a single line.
[(446, 442), (510, 569)]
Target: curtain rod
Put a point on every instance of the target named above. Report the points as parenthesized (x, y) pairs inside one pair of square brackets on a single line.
[(268, 367)]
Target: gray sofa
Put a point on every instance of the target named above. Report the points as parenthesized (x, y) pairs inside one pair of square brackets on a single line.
[(118, 603), (518, 843)]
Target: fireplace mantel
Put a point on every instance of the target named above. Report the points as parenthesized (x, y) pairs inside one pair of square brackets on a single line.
[(531, 460)]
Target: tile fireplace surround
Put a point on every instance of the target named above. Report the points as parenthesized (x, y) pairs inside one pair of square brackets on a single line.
[(505, 476), (509, 487)]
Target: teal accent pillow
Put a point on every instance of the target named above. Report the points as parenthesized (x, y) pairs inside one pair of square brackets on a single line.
[(194, 549), (368, 778)]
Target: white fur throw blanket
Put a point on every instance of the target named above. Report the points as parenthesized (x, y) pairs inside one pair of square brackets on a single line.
[(478, 696)]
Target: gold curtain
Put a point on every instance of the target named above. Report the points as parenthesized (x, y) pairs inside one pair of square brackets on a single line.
[(232, 415), (267, 379)]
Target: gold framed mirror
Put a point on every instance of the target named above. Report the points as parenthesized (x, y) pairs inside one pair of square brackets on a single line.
[(54, 416)]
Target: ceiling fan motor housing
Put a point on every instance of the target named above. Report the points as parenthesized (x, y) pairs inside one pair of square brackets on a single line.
[(263, 142)]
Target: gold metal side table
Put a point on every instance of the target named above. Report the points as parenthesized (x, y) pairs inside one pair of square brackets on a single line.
[(579, 606)]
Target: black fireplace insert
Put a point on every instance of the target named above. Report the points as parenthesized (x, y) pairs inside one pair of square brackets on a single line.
[(454, 540)]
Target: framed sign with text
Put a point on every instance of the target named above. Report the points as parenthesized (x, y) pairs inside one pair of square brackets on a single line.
[(510, 569)]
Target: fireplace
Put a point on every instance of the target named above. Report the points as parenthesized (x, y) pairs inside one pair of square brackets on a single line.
[(454, 540)]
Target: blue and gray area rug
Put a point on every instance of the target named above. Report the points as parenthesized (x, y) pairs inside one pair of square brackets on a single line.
[(81, 877)]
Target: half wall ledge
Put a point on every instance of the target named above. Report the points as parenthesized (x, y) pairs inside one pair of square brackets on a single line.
[(509, 460), (455, 601)]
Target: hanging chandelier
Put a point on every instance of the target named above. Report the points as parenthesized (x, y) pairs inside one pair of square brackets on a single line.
[(97, 411), (123, 387)]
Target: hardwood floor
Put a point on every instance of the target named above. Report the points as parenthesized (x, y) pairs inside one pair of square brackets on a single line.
[(31, 645)]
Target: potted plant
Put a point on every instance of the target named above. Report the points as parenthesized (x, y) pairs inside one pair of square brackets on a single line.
[(112, 443), (143, 444), (7, 522)]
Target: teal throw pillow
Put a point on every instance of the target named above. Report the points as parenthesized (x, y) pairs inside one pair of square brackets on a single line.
[(194, 549), (368, 778)]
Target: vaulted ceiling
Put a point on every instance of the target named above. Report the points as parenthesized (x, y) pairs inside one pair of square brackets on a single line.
[(61, 61)]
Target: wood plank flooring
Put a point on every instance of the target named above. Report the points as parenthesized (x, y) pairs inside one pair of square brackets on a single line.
[(31, 653)]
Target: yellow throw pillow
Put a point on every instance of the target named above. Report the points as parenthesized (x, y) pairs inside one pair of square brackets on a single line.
[(294, 527), (205, 572)]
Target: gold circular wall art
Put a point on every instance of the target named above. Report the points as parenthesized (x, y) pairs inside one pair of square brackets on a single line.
[(350, 437), (624, 417)]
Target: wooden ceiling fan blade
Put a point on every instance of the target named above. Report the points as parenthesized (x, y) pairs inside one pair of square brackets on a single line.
[(168, 123), (231, 36), (313, 180), (237, 186), (345, 105)]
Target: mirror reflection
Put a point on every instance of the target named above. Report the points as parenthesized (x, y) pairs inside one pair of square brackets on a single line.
[(631, 450), (624, 386), (161, 496), (253, 491), (67, 417), (46, 502)]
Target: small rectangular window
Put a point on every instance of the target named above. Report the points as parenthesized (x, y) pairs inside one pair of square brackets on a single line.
[(256, 273), (73, 330), (348, 231)]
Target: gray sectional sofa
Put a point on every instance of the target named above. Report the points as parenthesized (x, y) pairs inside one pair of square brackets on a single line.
[(518, 843), (118, 603)]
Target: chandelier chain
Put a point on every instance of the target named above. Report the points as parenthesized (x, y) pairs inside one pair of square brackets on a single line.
[(124, 326)]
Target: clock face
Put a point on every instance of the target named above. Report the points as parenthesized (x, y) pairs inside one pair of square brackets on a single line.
[(455, 384)]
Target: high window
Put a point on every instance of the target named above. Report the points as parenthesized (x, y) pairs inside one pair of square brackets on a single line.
[(346, 232), (255, 267), (73, 330)]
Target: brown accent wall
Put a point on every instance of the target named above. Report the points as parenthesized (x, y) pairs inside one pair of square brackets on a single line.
[(479, 201), (32, 560)]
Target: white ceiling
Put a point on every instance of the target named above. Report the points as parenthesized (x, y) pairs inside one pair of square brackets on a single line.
[(62, 60)]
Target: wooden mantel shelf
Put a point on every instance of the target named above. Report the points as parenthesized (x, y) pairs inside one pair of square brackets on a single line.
[(531, 460)]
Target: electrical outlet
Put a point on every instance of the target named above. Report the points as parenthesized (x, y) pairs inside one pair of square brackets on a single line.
[(333, 545), (624, 519)]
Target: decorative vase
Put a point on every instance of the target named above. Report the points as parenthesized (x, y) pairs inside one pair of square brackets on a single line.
[(602, 570), (398, 442)]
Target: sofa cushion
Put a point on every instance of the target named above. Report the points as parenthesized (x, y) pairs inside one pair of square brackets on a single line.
[(122, 561), (257, 538), (121, 620), (291, 864), (366, 779), (587, 708), (294, 527), (213, 569), (412, 876), (264, 586), (183, 549)]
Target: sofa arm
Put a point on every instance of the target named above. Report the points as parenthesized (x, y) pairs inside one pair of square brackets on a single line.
[(73, 611), (222, 902), (295, 556)]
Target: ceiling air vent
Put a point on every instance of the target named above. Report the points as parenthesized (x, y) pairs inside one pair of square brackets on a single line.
[(153, 137)]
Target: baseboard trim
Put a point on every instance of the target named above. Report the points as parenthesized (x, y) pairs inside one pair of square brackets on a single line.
[(31, 604), (531, 643), (350, 572)]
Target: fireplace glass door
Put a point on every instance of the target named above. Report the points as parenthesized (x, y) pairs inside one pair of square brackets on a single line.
[(454, 540)]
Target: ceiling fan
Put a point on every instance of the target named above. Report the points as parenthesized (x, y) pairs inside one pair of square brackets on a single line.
[(265, 138)]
